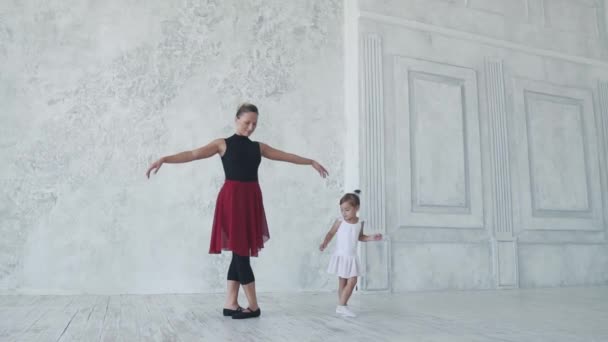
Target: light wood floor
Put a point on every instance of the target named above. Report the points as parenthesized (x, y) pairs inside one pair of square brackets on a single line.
[(568, 314)]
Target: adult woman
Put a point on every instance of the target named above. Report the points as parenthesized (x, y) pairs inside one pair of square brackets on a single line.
[(239, 223)]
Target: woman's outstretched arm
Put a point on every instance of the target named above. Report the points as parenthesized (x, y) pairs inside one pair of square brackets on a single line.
[(209, 150), (274, 154)]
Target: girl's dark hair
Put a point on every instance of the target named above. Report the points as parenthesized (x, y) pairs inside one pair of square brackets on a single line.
[(246, 108), (352, 198)]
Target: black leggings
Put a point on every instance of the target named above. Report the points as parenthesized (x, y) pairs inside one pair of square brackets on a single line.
[(240, 270)]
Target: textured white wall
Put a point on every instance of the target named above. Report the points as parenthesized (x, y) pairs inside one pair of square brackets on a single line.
[(91, 92), (492, 117), (575, 27)]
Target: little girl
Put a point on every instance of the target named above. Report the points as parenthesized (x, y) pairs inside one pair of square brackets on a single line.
[(344, 262)]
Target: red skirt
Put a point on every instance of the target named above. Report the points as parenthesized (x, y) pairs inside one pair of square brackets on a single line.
[(239, 223)]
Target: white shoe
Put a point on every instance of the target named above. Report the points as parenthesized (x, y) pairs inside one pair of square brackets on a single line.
[(344, 311)]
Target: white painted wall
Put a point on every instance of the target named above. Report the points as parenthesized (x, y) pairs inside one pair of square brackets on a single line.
[(493, 121), (91, 92)]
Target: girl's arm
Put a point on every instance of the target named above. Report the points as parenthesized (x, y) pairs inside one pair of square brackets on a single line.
[(329, 235), (364, 238), (209, 150), (274, 154)]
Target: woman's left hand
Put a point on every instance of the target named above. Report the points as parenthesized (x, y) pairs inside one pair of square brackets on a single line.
[(322, 171), (377, 237)]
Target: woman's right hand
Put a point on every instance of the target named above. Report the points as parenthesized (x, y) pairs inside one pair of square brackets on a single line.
[(155, 166), (322, 247), (322, 171)]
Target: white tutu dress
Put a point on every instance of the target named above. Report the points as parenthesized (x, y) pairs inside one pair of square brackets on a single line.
[(344, 261)]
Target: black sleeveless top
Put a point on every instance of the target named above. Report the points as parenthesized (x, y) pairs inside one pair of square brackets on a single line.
[(241, 159)]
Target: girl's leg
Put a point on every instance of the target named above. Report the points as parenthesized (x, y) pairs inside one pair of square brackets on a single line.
[(348, 290), (341, 285)]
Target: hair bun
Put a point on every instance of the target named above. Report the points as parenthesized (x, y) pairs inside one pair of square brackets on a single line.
[(357, 191)]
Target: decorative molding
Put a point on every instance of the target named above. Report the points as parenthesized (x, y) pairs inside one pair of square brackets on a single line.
[(499, 142), (376, 253), (504, 245), (541, 217), (463, 204), (373, 180), (453, 33), (561, 243), (412, 211), (537, 208), (538, 13), (597, 11), (372, 130), (602, 14), (602, 89), (543, 11), (523, 3), (506, 263)]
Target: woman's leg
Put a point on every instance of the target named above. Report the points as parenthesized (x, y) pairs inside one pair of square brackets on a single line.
[(247, 280), (232, 295), (232, 286), (251, 296)]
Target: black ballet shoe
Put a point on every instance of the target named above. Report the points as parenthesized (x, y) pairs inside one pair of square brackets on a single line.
[(250, 314), (230, 312)]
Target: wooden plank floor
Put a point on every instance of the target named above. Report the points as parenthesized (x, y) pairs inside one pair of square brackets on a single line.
[(567, 314)]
